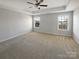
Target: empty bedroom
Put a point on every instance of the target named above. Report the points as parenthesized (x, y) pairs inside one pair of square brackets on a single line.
[(39, 29)]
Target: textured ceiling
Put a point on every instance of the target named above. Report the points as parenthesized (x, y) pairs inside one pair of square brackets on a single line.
[(21, 5)]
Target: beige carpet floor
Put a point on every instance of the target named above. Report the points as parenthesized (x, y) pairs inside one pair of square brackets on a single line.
[(39, 46)]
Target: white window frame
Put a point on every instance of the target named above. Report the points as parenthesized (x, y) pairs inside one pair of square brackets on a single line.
[(36, 19), (67, 23)]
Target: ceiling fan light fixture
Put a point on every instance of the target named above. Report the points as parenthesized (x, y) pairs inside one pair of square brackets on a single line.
[(37, 4)]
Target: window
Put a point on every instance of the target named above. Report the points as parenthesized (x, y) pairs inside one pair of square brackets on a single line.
[(36, 22), (63, 22)]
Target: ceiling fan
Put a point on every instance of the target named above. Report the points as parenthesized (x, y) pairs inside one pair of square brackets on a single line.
[(38, 4)]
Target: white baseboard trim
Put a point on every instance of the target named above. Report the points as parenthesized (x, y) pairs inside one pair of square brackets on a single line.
[(55, 34), (16, 35), (62, 34)]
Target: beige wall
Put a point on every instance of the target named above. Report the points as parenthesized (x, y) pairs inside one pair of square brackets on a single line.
[(76, 25), (49, 23), (13, 24)]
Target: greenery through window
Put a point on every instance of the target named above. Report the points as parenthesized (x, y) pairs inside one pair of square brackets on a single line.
[(63, 22), (36, 22)]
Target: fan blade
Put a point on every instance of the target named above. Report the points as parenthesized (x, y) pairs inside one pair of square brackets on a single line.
[(36, 1), (40, 2), (43, 5), (30, 3)]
